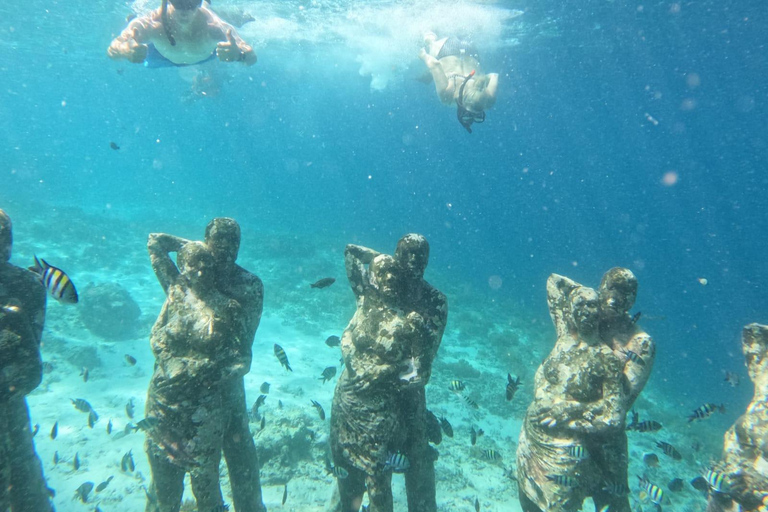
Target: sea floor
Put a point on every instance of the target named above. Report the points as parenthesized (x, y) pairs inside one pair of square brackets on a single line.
[(483, 342)]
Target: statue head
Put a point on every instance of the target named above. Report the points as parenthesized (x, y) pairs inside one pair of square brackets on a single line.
[(197, 265), (618, 291), (584, 306), (6, 237), (222, 235), (384, 276), (412, 254)]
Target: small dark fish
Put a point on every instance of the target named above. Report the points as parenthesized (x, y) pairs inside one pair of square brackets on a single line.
[(700, 484), (457, 385), (477, 505), (109, 427), (114, 146), (280, 353), (328, 374), (615, 488), (56, 281), (645, 426), (446, 426), (279, 404), (126, 463), (56, 458), (103, 485), (129, 409), (264, 388), (92, 419), (470, 402), (705, 411), (397, 462), (35, 429), (480, 432), (84, 374), (655, 493), (578, 452), (675, 485), (434, 431), (337, 471), (473, 436), (81, 405), (323, 283), (634, 357), (83, 491), (258, 403), (148, 423), (319, 408), (717, 481), (512, 386), (563, 480), (263, 422), (55, 430), (333, 341), (76, 462), (491, 454), (285, 494), (130, 360), (732, 379), (635, 318), (669, 450), (651, 460)]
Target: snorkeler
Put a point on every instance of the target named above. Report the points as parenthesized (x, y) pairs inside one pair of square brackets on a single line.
[(455, 68), (180, 33)]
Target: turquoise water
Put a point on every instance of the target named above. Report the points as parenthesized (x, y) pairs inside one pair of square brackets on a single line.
[(331, 139)]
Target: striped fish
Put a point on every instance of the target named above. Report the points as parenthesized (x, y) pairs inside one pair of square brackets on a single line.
[(512, 386), (669, 450), (457, 385), (397, 462), (634, 357), (470, 402), (319, 409), (705, 411), (645, 426), (563, 480), (491, 454), (654, 492), (336, 471), (577, 451), (280, 353), (56, 281), (616, 488), (446, 426), (717, 481)]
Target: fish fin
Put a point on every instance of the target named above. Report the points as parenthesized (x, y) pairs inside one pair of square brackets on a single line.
[(38, 267)]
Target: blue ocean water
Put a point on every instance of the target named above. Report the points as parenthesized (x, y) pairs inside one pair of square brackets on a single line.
[(599, 101)]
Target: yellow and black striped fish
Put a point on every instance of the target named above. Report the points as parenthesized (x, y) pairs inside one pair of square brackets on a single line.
[(669, 450), (717, 481), (491, 454), (705, 411), (654, 492), (56, 281), (280, 353), (563, 480), (457, 385), (578, 451)]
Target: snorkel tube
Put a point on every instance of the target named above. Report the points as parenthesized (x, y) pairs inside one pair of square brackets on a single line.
[(166, 24)]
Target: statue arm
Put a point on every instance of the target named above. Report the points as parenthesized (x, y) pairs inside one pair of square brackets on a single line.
[(356, 257), (636, 374), (558, 289), (160, 245)]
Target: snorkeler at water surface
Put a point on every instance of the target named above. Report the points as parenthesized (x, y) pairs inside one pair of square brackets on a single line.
[(180, 33), (455, 68)]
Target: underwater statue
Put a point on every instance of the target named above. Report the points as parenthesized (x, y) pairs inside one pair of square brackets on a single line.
[(740, 479), (202, 345), (573, 443), (22, 315), (379, 414)]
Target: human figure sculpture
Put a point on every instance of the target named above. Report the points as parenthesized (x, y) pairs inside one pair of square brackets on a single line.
[(202, 342), (573, 443), (745, 450), (379, 406), (22, 315)]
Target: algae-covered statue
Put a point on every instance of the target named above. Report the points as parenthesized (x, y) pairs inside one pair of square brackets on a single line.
[(573, 444), (202, 344), (744, 466), (379, 406), (22, 315)]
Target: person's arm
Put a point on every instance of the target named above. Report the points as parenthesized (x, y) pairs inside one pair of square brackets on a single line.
[(443, 86), (232, 48), (160, 245), (131, 43), (491, 89)]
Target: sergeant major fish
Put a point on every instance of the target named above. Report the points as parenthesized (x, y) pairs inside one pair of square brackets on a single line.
[(397, 462), (280, 353), (319, 408), (669, 450), (56, 281), (328, 374), (446, 426), (512, 386), (83, 491), (705, 411), (333, 341), (323, 283), (655, 493)]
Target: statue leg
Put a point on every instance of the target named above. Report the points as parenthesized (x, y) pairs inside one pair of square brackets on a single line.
[(380, 492), (28, 488), (240, 452), (206, 487), (5, 458), (527, 505), (420, 477), (613, 457), (167, 485), (350, 492)]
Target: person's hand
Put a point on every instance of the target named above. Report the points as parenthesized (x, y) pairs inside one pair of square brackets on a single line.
[(137, 53), (229, 51)]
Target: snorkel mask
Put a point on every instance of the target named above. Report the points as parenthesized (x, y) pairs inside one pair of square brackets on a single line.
[(465, 116)]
